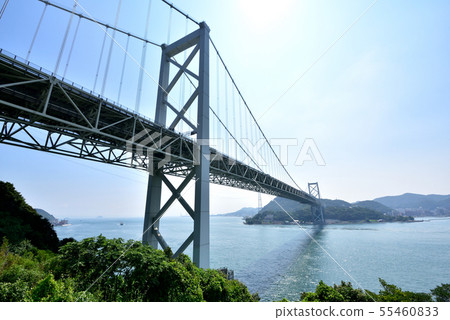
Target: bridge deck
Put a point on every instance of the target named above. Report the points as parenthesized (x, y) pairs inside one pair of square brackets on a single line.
[(82, 124)]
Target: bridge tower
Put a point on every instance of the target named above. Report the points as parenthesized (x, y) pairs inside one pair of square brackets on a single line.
[(198, 168), (317, 211), (259, 202)]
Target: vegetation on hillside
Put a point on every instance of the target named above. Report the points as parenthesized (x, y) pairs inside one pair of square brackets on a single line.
[(19, 221), (100, 269), (344, 292), (341, 213), (364, 211), (36, 266), (292, 206), (356, 214)]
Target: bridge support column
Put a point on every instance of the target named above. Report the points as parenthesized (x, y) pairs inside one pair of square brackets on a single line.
[(317, 210), (152, 206), (199, 167), (201, 218)]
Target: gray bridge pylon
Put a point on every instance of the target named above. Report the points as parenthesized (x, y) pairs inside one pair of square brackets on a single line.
[(199, 171), (316, 210)]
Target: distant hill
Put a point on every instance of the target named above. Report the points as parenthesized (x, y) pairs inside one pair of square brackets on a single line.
[(288, 205), (46, 215), (416, 205), (444, 203), (368, 210), (291, 205), (412, 200), (19, 221), (383, 205), (374, 205), (244, 212), (335, 203), (332, 214)]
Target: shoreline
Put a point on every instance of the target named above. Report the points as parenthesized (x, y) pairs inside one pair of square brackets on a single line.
[(334, 222)]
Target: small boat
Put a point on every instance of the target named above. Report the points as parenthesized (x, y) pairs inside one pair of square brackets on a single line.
[(121, 223)]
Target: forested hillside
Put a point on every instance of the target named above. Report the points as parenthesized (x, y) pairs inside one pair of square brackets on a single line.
[(19, 221)]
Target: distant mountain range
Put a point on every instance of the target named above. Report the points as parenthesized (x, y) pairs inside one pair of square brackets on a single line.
[(244, 212), (408, 204), (416, 201)]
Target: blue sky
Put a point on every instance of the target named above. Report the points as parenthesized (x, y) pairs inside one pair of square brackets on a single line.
[(377, 103)]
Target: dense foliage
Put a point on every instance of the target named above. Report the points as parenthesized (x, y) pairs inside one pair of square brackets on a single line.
[(360, 214), (32, 268), (19, 221), (442, 293), (344, 292), (100, 269), (341, 213), (25, 275)]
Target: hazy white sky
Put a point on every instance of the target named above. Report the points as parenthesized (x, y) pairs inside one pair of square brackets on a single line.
[(377, 103)]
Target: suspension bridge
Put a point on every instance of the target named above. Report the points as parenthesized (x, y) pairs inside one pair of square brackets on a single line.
[(43, 110)]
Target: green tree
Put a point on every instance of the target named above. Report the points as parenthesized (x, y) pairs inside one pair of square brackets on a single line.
[(442, 293), (19, 273), (115, 270), (50, 290), (351, 294), (14, 292), (324, 293), (392, 293), (345, 292)]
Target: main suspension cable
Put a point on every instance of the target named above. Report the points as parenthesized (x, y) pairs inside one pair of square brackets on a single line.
[(181, 12), (105, 25)]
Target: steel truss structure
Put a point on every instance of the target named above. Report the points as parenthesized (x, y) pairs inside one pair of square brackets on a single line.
[(316, 210), (41, 111)]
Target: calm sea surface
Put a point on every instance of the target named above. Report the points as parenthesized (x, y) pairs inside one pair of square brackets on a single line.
[(283, 261)]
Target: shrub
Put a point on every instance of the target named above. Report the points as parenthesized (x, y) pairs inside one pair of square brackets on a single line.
[(442, 293)]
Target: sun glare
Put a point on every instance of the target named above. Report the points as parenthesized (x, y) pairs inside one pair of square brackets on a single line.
[(262, 14)]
